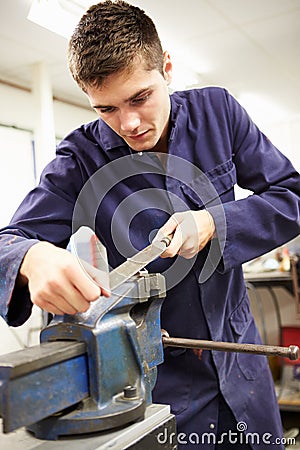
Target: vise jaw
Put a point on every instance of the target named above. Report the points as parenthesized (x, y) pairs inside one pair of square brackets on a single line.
[(93, 371)]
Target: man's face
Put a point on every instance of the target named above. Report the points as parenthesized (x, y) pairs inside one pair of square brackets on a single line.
[(136, 105)]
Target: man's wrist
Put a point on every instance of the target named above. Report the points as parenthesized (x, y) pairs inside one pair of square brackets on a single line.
[(23, 275), (212, 225)]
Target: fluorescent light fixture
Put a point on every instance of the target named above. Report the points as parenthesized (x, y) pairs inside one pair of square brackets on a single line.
[(58, 16)]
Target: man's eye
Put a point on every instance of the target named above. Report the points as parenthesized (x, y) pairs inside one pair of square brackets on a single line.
[(139, 100), (107, 109)]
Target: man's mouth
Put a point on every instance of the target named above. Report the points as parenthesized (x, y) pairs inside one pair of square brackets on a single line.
[(137, 136)]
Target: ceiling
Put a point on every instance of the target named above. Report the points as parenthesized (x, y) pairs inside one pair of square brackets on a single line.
[(252, 47)]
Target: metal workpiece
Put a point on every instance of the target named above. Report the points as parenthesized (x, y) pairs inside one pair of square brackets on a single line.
[(133, 265), (291, 352), (77, 381)]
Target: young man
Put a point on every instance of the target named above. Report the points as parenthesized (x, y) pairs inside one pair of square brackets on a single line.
[(167, 164)]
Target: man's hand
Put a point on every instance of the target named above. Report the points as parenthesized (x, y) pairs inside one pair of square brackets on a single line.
[(57, 281), (191, 232)]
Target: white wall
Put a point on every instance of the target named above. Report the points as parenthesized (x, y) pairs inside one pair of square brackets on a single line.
[(286, 136), (17, 178), (17, 108), (68, 117), (16, 171)]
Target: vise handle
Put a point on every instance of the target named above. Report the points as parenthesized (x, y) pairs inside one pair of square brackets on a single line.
[(291, 352)]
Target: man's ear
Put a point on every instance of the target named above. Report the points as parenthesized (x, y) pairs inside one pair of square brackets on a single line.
[(167, 68)]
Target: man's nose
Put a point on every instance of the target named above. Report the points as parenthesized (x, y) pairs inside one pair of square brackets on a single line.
[(129, 121)]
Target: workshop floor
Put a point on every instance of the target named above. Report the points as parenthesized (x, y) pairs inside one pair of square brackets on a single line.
[(291, 422), (288, 392)]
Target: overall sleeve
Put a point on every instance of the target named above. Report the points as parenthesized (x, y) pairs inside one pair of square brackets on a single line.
[(44, 215), (270, 216)]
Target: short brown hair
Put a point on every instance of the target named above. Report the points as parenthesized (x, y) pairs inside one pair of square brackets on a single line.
[(109, 36)]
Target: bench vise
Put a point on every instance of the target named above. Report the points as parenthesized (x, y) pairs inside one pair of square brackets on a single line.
[(93, 371)]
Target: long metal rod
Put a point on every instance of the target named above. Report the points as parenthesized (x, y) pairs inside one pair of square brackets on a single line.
[(291, 352)]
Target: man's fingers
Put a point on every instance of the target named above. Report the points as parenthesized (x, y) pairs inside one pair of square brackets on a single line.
[(100, 277), (61, 294), (191, 232), (174, 246), (168, 228), (57, 281), (49, 307), (60, 306), (83, 282)]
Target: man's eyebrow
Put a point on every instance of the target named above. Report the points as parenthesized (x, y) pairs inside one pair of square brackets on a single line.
[(100, 106), (137, 94)]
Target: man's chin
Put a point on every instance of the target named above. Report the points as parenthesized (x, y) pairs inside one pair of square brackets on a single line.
[(146, 147), (145, 143)]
